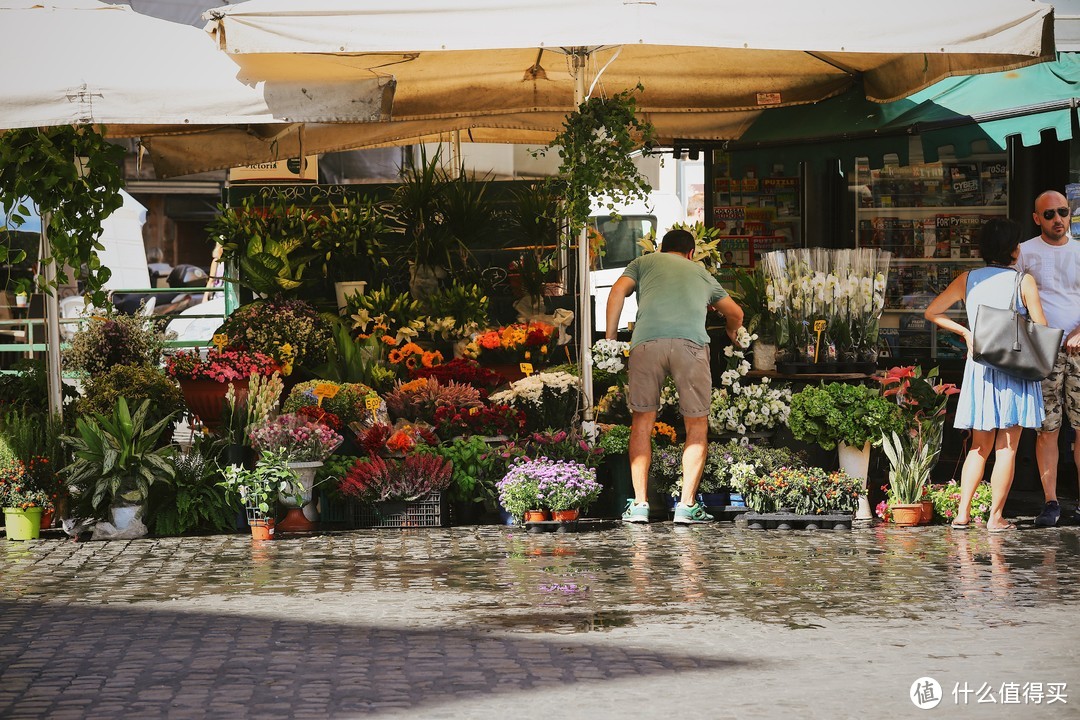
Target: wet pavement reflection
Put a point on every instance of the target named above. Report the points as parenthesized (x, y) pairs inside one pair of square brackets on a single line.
[(507, 579)]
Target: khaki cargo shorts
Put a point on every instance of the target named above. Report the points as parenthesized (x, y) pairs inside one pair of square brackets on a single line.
[(685, 361), (1061, 390)]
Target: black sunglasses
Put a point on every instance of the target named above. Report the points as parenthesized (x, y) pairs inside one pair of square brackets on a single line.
[(1049, 214)]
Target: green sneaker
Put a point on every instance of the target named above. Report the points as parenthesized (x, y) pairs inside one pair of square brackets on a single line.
[(635, 513), (691, 515)]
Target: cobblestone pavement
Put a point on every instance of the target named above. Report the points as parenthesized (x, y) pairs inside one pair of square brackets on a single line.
[(488, 622)]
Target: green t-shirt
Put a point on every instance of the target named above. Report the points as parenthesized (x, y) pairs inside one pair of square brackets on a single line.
[(673, 297)]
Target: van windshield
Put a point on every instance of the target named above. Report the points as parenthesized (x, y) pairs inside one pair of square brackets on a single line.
[(621, 236)]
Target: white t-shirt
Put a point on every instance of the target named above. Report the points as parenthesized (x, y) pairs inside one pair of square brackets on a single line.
[(1056, 269)]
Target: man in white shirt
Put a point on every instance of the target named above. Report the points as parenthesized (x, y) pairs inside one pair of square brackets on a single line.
[(1053, 258)]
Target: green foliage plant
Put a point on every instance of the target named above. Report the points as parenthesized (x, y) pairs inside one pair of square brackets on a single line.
[(194, 501), (280, 249), (615, 440), (73, 174), (909, 468), (350, 360), (258, 489), (457, 311), (354, 230), (595, 146), (28, 388), (749, 292), (134, 383), (838, 412), (477, 467), (806, 491), (117, 458)]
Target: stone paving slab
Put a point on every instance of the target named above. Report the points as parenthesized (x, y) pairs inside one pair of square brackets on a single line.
[(491, 622)]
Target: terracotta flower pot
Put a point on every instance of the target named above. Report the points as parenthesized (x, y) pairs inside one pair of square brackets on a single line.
[(927, 512), (537, 516), (906, 515), (565, 515), (206, 399), (262, 529)]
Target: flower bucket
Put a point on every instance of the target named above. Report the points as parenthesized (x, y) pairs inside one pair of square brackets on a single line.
[(764, 356), (344, 290), (906, 515), (536, 516), (856, 463), (565, 515), (23, 524)]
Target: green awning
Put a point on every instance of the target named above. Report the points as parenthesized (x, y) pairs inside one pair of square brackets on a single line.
[(958, 112)]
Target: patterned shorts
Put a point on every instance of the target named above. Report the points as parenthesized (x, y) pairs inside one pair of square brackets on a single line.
[(1062, 390)]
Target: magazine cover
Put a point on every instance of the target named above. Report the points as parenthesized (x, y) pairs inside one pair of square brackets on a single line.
[(964, 184), (1072, 194)]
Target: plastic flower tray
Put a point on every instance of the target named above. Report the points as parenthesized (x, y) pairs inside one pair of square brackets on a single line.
[(791, 521), (431, 511)]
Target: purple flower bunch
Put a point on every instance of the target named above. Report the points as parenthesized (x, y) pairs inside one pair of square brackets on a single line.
[(302, 439), (552, 484)]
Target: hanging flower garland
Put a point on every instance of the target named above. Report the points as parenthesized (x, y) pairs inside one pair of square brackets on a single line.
[(595, 146)]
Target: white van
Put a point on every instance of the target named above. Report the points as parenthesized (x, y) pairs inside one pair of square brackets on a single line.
[(622, 236)]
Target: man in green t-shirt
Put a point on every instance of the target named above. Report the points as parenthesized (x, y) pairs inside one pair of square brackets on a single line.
[(674, 294)]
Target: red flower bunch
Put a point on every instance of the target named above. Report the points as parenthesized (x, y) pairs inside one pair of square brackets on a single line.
[(317, 414), (485, 420), (463, 371), (221, 366), (17, 489), (375, 479), (401, 439)]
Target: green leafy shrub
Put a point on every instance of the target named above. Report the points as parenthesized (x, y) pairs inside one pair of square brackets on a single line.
[(477, 467), (134, 383), (829, 414)]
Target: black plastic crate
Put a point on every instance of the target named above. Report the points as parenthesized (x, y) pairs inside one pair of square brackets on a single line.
[(430, 511)]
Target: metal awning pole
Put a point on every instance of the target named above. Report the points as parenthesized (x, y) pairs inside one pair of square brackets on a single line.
[(52, 323), (585, 322)]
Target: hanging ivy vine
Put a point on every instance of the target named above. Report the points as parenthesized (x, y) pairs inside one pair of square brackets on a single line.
[(73, 174), (595, 146)]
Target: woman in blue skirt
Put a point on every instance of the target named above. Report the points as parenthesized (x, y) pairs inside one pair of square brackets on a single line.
[(993, 405)]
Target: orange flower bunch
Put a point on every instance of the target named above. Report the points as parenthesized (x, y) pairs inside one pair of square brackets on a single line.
[(528, 341), (413, 356), (662, 430)]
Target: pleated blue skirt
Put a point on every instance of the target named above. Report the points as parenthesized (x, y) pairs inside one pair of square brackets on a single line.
[(990, 399)]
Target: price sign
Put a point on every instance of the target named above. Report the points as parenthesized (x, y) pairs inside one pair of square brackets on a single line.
[(220, 340), (372, 403), (819, 327), (526, 368), (474, 411), (325, 390)]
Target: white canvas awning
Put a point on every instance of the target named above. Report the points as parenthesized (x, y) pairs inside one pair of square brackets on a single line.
[(80, 61), (486, 65)]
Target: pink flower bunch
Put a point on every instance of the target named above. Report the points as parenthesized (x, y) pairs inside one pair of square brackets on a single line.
[(302, 439), (222, 366)]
